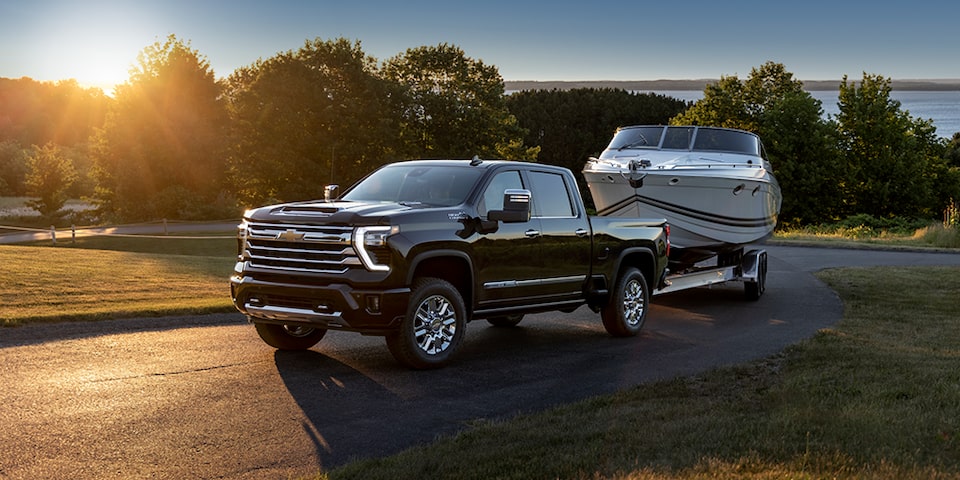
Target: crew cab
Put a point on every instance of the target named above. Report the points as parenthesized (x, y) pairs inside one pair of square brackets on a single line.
[(418, 249)]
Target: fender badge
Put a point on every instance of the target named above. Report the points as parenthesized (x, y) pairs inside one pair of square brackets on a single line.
[(458, 216)]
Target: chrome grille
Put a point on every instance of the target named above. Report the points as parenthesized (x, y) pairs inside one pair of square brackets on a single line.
[(299, 248)]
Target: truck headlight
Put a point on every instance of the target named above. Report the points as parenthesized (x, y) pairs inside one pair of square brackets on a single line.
[(242, 232), (371, 244)]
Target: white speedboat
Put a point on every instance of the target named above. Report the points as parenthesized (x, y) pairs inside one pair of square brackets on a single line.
[(714, 186)]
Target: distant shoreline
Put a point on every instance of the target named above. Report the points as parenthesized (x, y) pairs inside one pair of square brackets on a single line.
[(700, 84)]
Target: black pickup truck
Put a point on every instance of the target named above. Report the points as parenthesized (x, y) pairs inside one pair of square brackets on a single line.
[(417, 249)]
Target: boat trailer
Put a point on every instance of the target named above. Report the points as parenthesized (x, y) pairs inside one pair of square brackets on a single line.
[(751, 269)]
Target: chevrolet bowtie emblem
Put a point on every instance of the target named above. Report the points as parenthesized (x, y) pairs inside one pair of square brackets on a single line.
[(290, 235)]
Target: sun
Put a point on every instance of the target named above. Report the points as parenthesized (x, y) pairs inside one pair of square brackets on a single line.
[(99, 68), (94, 46)]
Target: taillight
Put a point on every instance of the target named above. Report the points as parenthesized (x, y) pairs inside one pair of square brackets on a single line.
[(666, 233)]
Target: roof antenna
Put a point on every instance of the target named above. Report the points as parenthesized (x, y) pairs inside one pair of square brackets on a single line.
[(476, 161)]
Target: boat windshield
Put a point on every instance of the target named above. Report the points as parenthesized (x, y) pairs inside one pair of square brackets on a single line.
[(686, 138), (441, 185), (637, 137), (723, 140)]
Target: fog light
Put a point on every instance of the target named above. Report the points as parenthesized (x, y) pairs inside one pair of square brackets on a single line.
[(373, 303)]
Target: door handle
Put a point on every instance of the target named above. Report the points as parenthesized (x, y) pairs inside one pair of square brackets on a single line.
[(581, 232), (532, 233)]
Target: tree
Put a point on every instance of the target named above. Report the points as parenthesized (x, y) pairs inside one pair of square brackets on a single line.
[(37, 113), (802, 148), (50, 176), (723, 104), (951, 152), (454, 106), (891, 156), (13, 169), (306, 118), (570, 126), (799, 143), (159, 154)]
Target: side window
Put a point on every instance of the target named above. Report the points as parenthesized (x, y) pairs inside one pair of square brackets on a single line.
[(550, 195), (493, 196)]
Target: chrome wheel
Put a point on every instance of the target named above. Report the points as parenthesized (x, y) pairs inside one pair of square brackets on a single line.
[(298, 331), (435, 325), (626, 310), (290, 337), (433, 328), (634, 303)]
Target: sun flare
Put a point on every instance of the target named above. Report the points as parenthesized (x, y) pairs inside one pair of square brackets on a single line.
[(95, 46), (100, 68)]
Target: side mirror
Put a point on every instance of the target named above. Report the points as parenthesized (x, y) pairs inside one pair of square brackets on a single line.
[(330, 192), (516, 207)]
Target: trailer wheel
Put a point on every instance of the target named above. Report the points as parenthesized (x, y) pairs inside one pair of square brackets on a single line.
[(626, 311), (433, 327), (754, 290)]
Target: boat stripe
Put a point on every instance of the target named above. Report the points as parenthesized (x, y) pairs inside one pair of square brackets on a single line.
[(689, 212)]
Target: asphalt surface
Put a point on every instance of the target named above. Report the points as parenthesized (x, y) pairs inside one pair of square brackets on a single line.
[(203, 397)]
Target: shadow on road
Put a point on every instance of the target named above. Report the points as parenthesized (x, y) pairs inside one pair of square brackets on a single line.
[(359, 403)]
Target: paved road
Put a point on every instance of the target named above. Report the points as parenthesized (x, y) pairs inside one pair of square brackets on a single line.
[(203, 397)]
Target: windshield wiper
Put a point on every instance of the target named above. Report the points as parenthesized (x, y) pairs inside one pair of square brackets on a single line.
[(639, 143)]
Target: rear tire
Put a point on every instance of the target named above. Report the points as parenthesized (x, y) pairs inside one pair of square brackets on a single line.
[(289, 337), (626, 311), (433, 327)]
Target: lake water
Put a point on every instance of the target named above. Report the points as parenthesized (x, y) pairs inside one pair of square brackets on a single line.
[(943, 107)]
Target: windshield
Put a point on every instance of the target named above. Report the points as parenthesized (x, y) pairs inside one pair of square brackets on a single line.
[(639, 137), (721, 140), (687, 138), (441, 185)]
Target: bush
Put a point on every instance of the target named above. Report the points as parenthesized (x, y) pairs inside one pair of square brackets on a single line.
[(951, 216), (938, 235), (864, 225)]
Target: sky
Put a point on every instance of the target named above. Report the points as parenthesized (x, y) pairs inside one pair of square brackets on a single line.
[(96, 42)]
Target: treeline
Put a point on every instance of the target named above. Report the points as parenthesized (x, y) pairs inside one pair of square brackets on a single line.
[(174, 142)]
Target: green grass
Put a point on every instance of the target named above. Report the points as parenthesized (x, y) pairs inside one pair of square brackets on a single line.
[(877, 396), (934, 235), (51, 284), (218, 244)]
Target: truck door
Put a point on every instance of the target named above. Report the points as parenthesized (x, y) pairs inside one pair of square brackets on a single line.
[(565, 236), (508, 262)]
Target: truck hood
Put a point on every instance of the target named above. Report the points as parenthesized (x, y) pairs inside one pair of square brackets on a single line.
[(333, 213)]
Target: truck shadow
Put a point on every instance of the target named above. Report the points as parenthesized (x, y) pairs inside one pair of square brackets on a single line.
[(358, 403)]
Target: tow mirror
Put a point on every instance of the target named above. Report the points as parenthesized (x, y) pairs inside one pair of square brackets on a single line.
[(516, 207)]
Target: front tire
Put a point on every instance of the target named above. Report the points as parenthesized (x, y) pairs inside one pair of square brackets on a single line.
[(626, 311), (433, 327), (289, 337)]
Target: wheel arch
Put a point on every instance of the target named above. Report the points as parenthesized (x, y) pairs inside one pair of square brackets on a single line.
[(453, 266), (640, 257)]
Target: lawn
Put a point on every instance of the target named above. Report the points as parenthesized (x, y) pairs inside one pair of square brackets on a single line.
[(52, 284)]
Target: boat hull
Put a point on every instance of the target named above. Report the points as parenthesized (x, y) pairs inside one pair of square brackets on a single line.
[(710, 210)]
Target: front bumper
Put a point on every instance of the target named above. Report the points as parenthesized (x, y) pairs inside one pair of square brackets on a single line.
[(332, 307)]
